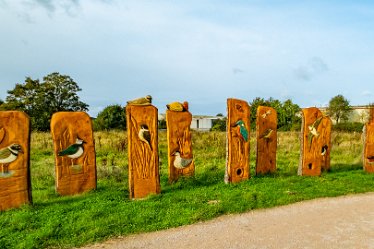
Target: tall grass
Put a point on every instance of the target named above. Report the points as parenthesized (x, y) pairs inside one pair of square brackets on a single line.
[(64, 222)]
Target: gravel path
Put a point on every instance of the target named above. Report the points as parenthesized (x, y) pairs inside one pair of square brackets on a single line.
[(342, 222)]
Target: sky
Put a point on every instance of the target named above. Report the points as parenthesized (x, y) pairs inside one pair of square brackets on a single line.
[(200, 51)]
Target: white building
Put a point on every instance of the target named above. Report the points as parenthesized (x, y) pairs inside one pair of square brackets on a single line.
[(203, 123)]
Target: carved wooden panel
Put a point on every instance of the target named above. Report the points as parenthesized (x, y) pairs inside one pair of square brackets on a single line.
[(74, 150), (368, 160), (326, 127), (238, 128), (180, 156), (314, 142), (142, 128), (266, 134), (15, 186)]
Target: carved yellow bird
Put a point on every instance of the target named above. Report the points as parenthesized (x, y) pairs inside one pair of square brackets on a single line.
[(177, 106), (147, 100), (266, 134)]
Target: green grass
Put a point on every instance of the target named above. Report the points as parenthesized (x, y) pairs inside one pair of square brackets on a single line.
[(64, 222)]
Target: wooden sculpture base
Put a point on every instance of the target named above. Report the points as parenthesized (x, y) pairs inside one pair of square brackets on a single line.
[(266, 134), (144, 176), (368, 160), (238, 127), (15, 185), (73, 175), (179, 141), (315, 142)]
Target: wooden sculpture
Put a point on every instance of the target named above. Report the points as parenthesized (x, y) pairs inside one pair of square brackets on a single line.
[(315, 142), (15, 186), (142, 130), (326, 127), (238, 127), (178, 121), (74, 150), (266, 134), (368, 160)]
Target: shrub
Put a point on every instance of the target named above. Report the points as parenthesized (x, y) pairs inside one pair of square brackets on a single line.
[(348, 127)]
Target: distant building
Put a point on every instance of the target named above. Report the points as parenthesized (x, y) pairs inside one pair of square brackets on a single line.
[(199, 122), (359, 114)]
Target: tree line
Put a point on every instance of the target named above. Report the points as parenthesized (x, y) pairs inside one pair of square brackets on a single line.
[(56, 92)]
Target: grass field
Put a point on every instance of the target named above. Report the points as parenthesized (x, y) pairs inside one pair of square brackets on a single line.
[(64, 222)]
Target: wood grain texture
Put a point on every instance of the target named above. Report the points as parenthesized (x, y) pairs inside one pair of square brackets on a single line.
[(266, 135), (326, 128), (315, 136), (237, 159), (368, 155), (179, 140), (74, 176), (15, 184), (144, 176)]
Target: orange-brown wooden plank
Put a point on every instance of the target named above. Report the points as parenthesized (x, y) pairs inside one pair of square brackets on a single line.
[(179, 141), (368, 160), (73, 175), (266, 134), (144, 176), (238, 141), (325, 133), (15, 185), (315, 136)]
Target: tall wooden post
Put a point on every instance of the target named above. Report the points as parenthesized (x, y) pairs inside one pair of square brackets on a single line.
[(314, 142), (266, 134), (238, 141), (180, 156), (75, 155), (326, 128), (142, 128), (15, 185), (368, 155)]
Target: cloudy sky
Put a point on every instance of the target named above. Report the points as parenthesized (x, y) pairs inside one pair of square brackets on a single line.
[(200, 51)]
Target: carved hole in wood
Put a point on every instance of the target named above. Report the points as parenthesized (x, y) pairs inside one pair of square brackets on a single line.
[(310, 166), (239, 172)]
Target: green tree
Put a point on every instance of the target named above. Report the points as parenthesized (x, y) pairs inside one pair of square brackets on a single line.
[(287, 117), (41, 100), (339, 108), (112, 117), (219, 124)]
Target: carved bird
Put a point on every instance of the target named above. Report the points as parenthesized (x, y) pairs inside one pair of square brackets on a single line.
[(181, 162), (313, 130), (242, 130), (147, 100), (266, 134), (73, 151), (177, 106), (268, 112), (144, 135), (324, 150), (9, 154)]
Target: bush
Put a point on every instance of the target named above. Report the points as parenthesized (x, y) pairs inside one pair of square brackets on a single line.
[(219, 125), (112, 117), (348, 127)]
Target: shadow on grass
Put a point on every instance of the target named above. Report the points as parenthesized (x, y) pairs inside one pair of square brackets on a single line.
[(340, 167)]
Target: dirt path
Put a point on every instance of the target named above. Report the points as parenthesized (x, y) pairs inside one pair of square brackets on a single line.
[(342, 222)]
